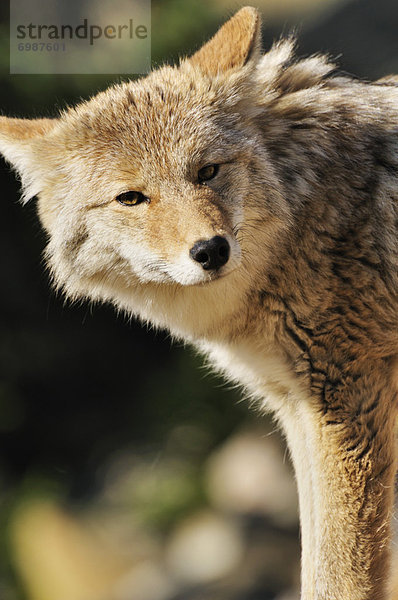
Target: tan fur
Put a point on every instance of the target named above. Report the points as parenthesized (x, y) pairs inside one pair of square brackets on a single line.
[(304, 313)]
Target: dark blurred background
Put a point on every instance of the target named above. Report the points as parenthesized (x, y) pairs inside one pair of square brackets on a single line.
[(126, 471)]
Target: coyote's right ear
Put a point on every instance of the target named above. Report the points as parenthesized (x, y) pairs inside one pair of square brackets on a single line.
[(23, 145), (233, 46)]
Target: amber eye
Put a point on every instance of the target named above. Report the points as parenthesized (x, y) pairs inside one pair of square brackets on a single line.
[(131, 198), (207, 172)]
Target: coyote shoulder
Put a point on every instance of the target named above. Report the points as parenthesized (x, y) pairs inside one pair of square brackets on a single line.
[(248, 203)]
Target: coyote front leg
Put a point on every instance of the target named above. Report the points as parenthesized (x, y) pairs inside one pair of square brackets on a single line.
[(344, 457)]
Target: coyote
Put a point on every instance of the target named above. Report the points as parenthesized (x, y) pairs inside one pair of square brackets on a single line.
[(248, 203)]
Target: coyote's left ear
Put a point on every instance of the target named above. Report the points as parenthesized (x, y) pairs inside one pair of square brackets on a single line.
[(23, 145), (237, 43)]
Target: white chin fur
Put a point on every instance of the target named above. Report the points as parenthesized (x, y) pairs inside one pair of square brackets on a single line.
[(184, 270)]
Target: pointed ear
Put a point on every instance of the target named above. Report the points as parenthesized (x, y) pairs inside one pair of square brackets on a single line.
[(233, 46), (22, 143)]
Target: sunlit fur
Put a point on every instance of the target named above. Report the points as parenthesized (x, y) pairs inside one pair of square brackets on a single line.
[(304, 313)]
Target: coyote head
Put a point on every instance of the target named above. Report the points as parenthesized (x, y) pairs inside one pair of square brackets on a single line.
[(157, 185)]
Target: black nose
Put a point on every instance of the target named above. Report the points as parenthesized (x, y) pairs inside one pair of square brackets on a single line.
[(211, 254)]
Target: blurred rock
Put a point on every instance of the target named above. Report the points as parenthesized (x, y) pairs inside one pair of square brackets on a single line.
[(203, 548), (248, 475), (146, 581)]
